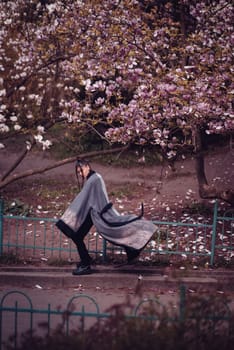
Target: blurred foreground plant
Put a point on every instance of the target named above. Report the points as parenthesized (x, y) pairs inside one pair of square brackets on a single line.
[(201, 323)]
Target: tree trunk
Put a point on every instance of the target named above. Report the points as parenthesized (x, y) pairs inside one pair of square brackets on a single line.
[(207, 191)]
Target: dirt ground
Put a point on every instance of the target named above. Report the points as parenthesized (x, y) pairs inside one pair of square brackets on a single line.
[(165, 193)]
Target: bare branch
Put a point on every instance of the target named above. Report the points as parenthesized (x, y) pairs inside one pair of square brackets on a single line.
[(31, 172), (97, 132), (19, 159)]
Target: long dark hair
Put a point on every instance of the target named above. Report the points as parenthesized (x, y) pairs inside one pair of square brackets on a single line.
[(79, 164)]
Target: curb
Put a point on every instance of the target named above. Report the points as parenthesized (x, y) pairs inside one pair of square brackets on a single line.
[(107, 277)]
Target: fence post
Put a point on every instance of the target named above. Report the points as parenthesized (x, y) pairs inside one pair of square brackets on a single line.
[(1, 225), (104, 249), (182, 303), (214, 226)]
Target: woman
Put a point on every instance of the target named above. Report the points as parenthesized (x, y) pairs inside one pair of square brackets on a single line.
[(92, 207)]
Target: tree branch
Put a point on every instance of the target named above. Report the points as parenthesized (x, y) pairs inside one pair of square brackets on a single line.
[(31, 172), (19, 159), (13, 89)]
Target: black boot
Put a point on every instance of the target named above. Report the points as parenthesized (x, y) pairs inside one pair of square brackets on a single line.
[(89, 262), (82, 270), (132, 254)]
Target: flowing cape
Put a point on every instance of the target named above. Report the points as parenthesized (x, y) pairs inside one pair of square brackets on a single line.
[(124, 230)]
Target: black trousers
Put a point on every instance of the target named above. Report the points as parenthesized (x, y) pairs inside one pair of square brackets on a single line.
[(78, 237)]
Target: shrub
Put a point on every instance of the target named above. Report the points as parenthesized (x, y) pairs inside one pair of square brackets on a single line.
[(207, 323)]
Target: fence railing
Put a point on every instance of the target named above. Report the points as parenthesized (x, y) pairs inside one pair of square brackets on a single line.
[(39, 238), (18, 315)]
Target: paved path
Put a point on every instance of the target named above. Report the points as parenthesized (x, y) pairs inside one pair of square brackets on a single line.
[(109, 277), (109, 285)]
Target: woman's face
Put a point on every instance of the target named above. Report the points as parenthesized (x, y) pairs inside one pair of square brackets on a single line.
[(83, 170)]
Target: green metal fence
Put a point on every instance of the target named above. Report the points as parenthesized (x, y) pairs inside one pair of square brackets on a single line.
[(39, 238), (18, 315), (224, 234)]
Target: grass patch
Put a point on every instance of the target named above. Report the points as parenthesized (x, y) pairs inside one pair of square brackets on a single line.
[(53, 190), (57, 262), (68, 142), (199, 208), (10, 259), (16, 207), (160, 235), (225, 262), (133, 157), (126, 190)]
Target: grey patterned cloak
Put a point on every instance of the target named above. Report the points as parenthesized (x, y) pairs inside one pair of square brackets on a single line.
[(124, 230)]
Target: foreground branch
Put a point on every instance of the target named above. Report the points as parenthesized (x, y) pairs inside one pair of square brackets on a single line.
[(19, 159), (30, 172)]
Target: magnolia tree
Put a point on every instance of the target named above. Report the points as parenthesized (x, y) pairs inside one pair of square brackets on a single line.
[(138, 72)]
